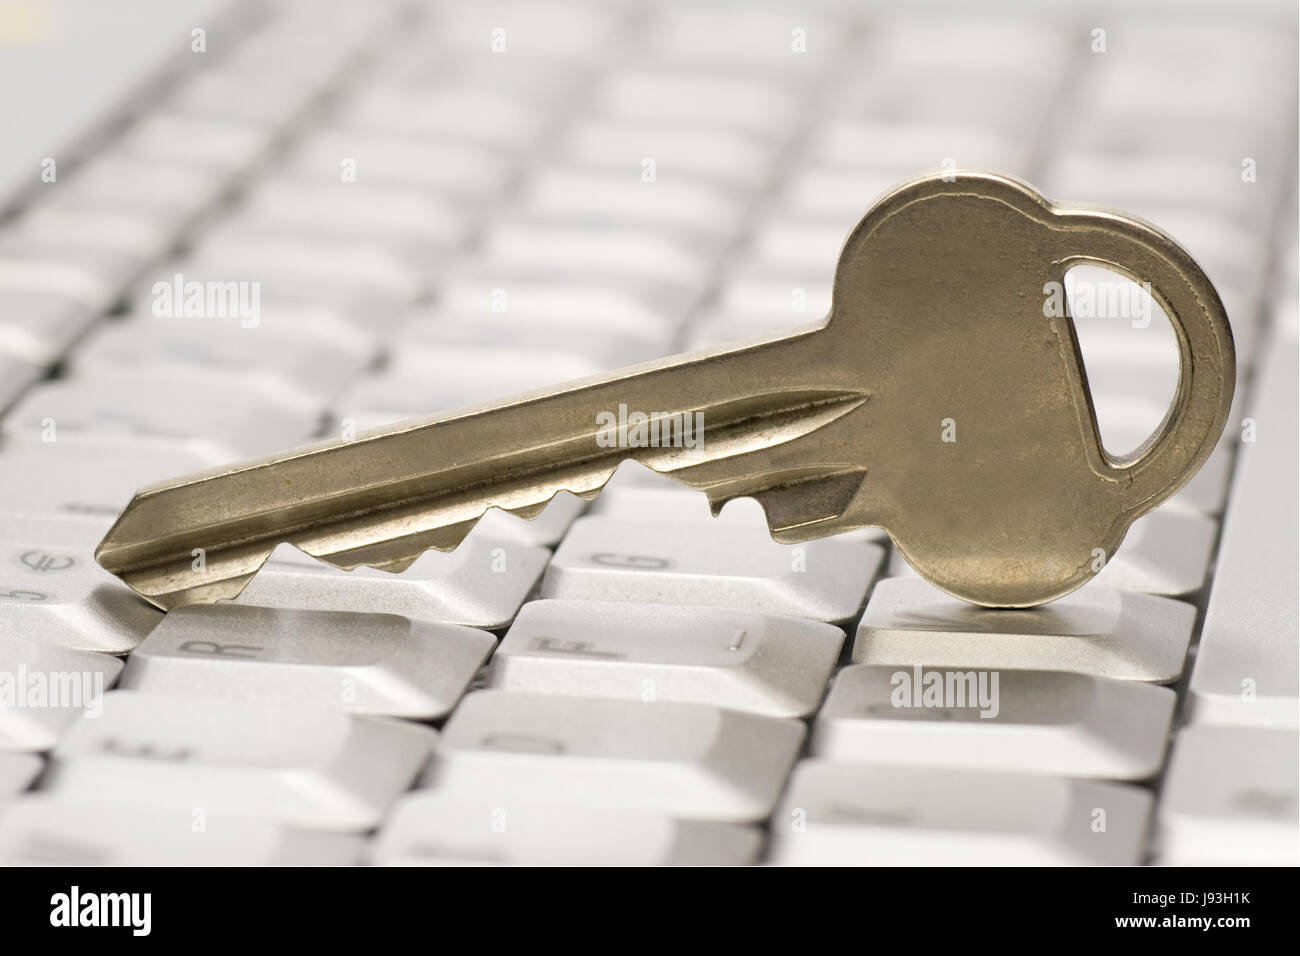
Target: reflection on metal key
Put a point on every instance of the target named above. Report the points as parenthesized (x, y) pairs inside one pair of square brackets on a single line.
[(938, 331)]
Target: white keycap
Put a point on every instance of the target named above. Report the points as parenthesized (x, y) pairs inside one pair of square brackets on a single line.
[(243, 247), (854, 814), (742, 660), (175, 138), (429, 828), (787, 245), (950, 94), (610, 349), (52, 590), (196, 310), (559, 30), (115, 179), (1245, 670), (479, 584), (38, 327), (571, 194), (308, 303), (776, 303), (838, 195), (90, 274), (1255, 47), (311, 48), (1095, 630), (382, 160), (459, 114), (1230, 798), (378, 664), (355, 211), (17, 771), (578, 304), (1010, 43), (263, 384), (714, 100), (726, 565), (685, 760), (585, 252), (1162, 128), (318, 364), (1185, 89), (297, 47), (1140, 185), (225, 96), (424, 379), (45, 830), (66, 479), (733, 158), (538, 82), (306, 766), (1035, 722), (897, 145), (45, 689), (742, 38), (141, 232), (224, 423), (327, 314), (58, 531)]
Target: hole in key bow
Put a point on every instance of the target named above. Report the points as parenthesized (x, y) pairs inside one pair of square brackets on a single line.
[(1130, 354)]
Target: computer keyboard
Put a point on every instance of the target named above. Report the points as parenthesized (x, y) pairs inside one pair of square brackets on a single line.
[(335, 217)]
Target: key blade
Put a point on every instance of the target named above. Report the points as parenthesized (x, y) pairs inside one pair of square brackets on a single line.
[(387, 496)]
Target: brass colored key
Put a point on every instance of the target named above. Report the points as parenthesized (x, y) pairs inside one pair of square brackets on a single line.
[(938, 314)]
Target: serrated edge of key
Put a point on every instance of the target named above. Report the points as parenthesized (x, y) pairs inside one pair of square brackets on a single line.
[(168, 579)]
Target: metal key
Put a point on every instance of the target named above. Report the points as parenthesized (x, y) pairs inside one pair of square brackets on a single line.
[(937, 329)]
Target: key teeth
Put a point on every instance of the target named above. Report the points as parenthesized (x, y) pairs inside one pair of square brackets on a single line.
[(397, 565), (225, 576), (445, 539), (222, 587), (528, 513), (396, 555), (795, 509)]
